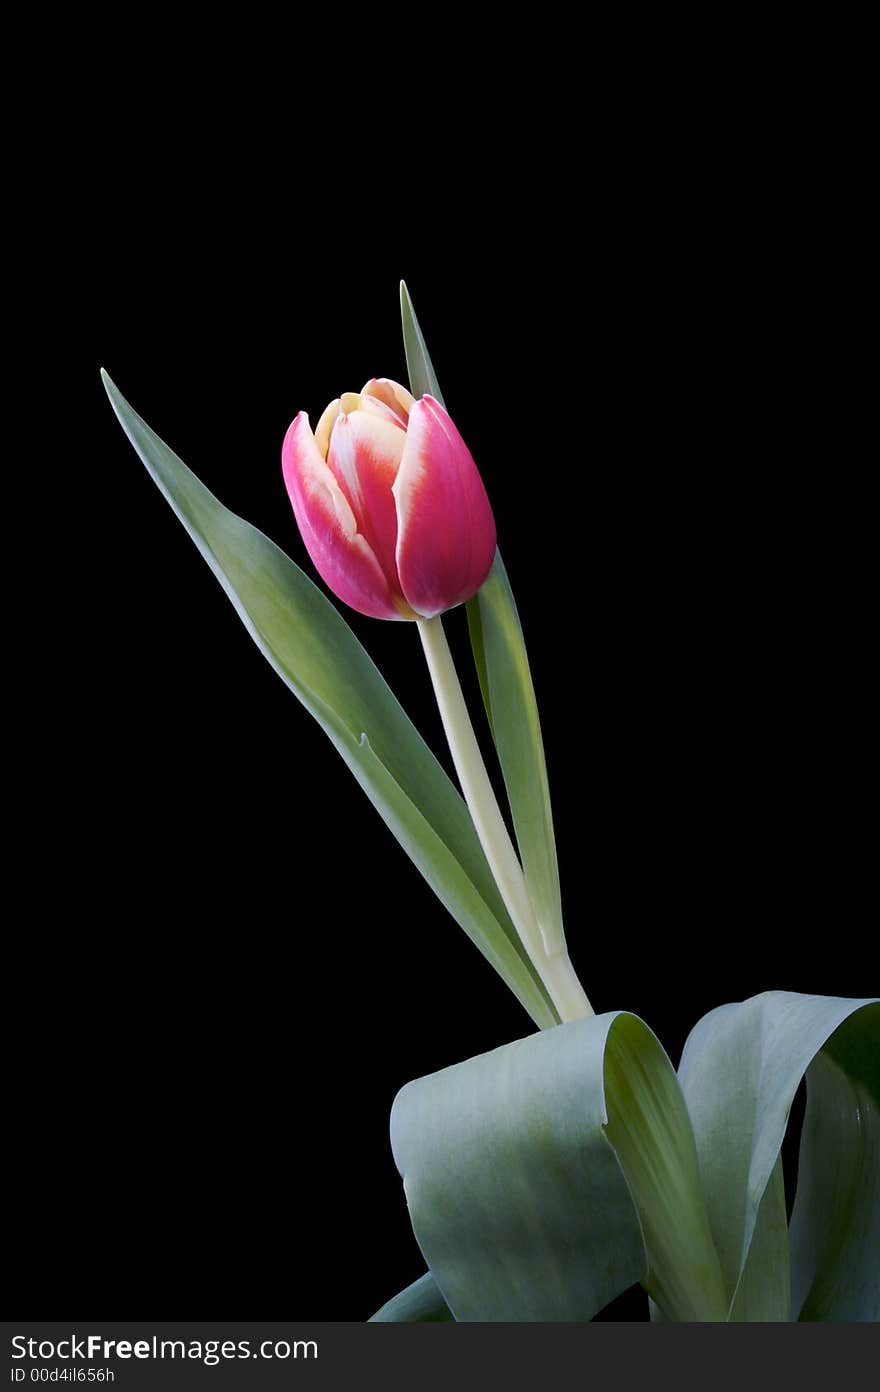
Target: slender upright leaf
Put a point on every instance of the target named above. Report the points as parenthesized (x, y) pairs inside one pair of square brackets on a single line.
[(422, 377), (315, 652), (478, 648), (500, 649), (509, 696)]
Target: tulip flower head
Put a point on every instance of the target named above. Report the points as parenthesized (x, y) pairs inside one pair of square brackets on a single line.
[(389, 503)]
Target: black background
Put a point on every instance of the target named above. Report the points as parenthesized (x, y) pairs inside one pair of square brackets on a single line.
[(224, 967)]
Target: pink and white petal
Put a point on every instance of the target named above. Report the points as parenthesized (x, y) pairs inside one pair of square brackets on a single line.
[(373, 406), (396, 397), (365, 453), (446, 532), (325, 425), (341, 556)]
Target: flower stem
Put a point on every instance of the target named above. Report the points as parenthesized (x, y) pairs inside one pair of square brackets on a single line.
[(556, 972)]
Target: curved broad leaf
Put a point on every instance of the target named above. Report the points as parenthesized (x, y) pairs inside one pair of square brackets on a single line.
[(835, 1225), (508, 694), (420, 1303), (739, 1072), (315, 652), (545, 1178)]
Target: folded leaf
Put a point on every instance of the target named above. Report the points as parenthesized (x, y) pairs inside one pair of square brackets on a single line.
[(545, 1178), (739, 1072), (764, 1291), (835, 1225), (315, 652)]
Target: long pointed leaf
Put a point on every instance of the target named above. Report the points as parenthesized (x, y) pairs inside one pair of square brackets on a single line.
[(422, 377), (315, 652), (478, 648), (508, 694), (513, 710)]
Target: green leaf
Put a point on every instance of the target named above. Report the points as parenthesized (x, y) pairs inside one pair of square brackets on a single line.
[(548, 1176), (315, 652), (420, 1303), (478, 647), (739, 1072), (650, 1130), (764, 1291), (835, 1225), (422, 377), (509, 697), (513, 711)]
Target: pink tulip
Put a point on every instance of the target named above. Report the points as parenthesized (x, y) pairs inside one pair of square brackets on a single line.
[(389, 503)]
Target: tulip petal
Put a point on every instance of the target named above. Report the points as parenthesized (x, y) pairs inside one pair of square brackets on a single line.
[(395, 397), (365, 452), (325, 425), (446, 531), (342, 557), (373, 406)]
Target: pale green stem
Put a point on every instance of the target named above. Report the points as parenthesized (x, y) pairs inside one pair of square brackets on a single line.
[(556, 972)]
